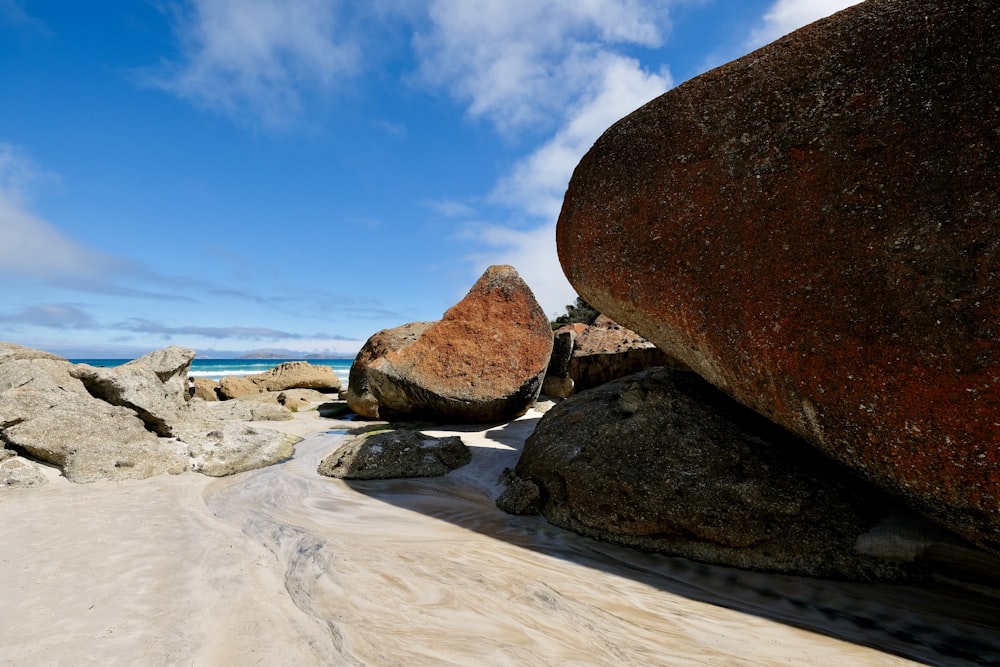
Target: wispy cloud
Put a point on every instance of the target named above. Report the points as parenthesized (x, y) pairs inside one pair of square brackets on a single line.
[(145, 326), (29, 245), (784, 16), (259, 57), (13, 14), (555, 68), (520, 65), (51, 316)]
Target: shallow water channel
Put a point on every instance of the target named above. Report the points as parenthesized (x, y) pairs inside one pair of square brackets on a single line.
[(429, 572)]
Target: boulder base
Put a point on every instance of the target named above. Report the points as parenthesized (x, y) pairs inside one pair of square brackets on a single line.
[(664, 462)]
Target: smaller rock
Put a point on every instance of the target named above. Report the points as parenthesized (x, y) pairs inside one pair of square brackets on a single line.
[(298, 375), (606, 351), (19, 473), (247, 409), (520, 496), (237, 448), (205, 389), (235, 386), (396, 454), (557, 382)]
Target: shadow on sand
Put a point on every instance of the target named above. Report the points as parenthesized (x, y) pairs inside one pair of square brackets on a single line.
[(930, 622)]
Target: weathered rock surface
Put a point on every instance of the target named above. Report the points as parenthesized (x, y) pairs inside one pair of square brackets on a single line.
[(395, 454), (664, 462), (235, 386), (359, 396), (15, 352), (297, 375), (16, 472), (129, 422), (482, 362), (237, 448), (205, 389), (153, 385), (250, 408), (815, 228)]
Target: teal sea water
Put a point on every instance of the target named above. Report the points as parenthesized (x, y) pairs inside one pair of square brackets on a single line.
[(217, 368)]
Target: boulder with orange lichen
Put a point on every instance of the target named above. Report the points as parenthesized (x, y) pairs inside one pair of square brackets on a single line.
[(482, 362), (815, 228)]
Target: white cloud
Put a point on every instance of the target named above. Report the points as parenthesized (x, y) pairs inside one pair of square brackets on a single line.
[(550, 68), (619, 85), (259, 56), (533, 254), (788, 15), (520, 63), (30, 246)]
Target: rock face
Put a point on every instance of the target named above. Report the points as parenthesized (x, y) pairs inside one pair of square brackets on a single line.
[(815, 228), (664, 462), (359, 395), (395, 454), (128, 422), (482, 362)]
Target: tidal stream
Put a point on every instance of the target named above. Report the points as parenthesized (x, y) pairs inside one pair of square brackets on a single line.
[(430, 572)]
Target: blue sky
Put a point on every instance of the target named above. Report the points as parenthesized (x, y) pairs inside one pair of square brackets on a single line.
[(233, 175)]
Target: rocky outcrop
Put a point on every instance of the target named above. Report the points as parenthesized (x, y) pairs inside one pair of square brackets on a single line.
[(662, 461), (814, 229), (395, 454), (248, 409), (129, 422), (297, 375), (15, 352), (236, 386), (482, 362), (153, 386)]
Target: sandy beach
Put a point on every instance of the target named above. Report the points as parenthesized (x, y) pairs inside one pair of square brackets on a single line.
[(281, 566)]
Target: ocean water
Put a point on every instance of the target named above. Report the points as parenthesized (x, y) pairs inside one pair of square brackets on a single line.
[(216, 368)]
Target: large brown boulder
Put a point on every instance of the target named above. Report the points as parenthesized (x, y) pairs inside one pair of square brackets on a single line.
[(815, 228), (482, 362), (663, 461)]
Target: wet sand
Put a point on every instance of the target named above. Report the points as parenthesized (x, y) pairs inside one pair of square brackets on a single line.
[(281, 566)]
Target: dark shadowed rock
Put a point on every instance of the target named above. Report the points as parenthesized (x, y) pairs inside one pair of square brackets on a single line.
[(605, 351), (395, 454), (815, 228), (482, 362), (664, 462), (557, 382)]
